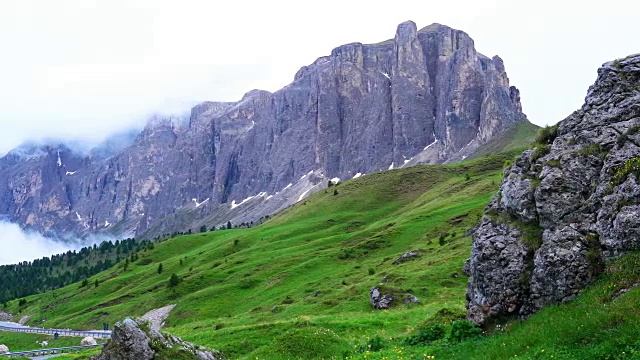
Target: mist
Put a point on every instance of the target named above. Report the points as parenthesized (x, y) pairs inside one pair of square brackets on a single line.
[(17, 245)]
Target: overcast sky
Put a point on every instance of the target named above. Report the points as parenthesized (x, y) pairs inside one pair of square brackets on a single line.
[(84, 68)]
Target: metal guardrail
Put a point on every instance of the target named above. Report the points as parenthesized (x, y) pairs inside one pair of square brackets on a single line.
[(49, 351), (94, 334)]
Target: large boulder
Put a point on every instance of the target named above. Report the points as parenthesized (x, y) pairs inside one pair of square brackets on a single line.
[(564, 207), (128, 342), (133, 340), (4, 349)]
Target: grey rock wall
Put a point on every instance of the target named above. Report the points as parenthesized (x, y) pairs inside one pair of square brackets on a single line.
[(564, 207)]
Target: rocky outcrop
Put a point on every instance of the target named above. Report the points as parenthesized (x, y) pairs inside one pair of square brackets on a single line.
[(4, 316), (425, 96), (130, 341), (565, 206), (4, 349), (380, 301)]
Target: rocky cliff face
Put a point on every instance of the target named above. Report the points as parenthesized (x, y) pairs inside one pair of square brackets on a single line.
[(565, 206), (423, 97)]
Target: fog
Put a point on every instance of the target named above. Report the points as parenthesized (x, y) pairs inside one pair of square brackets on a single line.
[(17, 245)]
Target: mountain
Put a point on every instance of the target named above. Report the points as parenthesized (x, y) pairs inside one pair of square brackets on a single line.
[(424, 96), (566, 207)]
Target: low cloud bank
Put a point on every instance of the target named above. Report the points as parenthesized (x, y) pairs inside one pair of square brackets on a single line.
[(17, 245)]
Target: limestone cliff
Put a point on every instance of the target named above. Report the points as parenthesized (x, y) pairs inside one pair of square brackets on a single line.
[(565, 206), (424, 96)]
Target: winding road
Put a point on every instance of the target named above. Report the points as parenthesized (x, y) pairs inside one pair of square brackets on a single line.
[(15, 327)]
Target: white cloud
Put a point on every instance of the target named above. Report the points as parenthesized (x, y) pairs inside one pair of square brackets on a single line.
[(86, 68), (17, 245)]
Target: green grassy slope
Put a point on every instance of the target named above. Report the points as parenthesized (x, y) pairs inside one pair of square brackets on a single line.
[(602, 323), (518, 136), (311, 265)]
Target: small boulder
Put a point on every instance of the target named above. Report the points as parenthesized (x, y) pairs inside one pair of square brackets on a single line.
[(410, 255), (88, 341), (411, 299), (380, 301), (44, 344), (4, 349)]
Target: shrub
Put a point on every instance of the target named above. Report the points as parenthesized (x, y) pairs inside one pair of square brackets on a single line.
[(631, 166), (310, 343), (540, 151), (374, 344), (464, 330), (445, 316), (426, 335), (174, 280), (593, 150), (547, 134)]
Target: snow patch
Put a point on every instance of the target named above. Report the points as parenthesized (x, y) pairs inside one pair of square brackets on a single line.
[(71, 172), (106, 223), (385, 75), (430, 145), (335, 180), (303, 195), (78, 216), (357, 175), (287, 187), (59, 159), (406, 161), (303, 176), (269, 197), (234, 205), (391, 166), (198, 204), (464, 157)]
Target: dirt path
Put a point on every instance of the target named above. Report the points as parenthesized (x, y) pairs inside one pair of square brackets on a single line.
[(157, 316)]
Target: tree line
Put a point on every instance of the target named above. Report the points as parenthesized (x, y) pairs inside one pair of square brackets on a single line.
[(49, 273)]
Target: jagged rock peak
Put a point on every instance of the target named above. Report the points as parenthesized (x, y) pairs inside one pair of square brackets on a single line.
[(422, 97), (564, 207)]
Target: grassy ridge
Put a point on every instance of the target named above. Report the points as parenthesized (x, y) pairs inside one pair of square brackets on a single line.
[(312, 265)]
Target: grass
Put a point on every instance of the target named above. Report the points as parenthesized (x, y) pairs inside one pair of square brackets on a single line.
[(519, 136), (309, 266), (297, 286), (26, 341)]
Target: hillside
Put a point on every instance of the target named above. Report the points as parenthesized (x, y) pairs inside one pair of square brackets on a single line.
[(312, 264)]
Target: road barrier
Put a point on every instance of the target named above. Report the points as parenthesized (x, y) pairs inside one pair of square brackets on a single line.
[(93, 334), (49, 351)]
